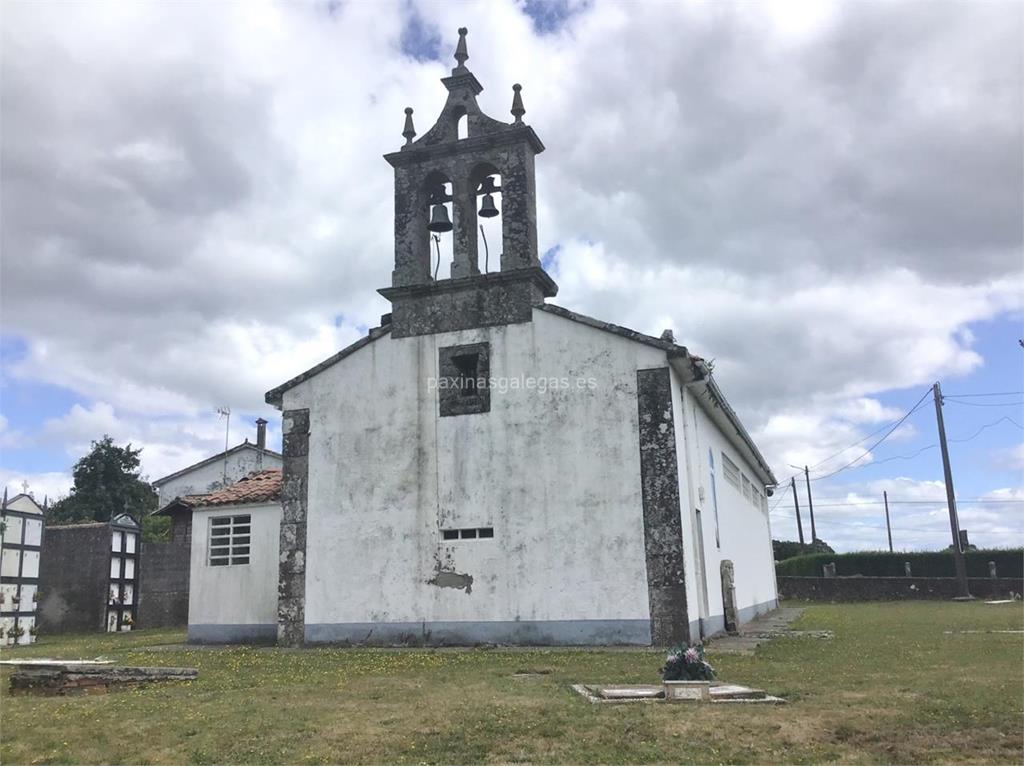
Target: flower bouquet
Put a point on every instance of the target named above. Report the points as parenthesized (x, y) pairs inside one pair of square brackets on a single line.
[(687, 675)]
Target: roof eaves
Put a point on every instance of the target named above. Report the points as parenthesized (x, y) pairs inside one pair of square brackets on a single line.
[(624, 332), (698, 372), (213, 459), (185, 503), (274, 395)]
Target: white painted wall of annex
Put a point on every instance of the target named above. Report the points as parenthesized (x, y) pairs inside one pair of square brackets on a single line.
[(240, 594), (210, 477), (556, 474), (744, 534)]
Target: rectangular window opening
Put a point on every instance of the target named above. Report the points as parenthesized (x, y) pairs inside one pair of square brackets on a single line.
[(229, 540), (468, 366), (731, 471), (464, 373), (468, 533)]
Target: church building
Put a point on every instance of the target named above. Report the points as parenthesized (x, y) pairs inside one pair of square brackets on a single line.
[(489, 467)]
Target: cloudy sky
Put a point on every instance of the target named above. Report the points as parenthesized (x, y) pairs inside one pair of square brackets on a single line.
[(824, 199)]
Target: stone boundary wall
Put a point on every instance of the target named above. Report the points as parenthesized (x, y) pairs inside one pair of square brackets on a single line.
[(893, 588), (163, 585)]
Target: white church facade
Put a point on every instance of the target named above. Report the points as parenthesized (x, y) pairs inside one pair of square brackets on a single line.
[(487, 467)]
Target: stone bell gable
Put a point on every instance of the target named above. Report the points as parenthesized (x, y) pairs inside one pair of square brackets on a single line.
[(439, 170)]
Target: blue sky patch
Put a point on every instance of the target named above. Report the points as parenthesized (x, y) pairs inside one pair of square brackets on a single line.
[(549, 16), (420, 41)]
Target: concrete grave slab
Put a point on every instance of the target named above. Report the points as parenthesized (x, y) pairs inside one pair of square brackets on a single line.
[(721, 693)]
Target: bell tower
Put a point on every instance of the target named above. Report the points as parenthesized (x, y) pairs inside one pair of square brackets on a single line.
[(441, 168)]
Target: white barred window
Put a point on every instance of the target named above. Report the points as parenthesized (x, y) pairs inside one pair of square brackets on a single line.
[(731, 470), (229, 540), (747, 487)]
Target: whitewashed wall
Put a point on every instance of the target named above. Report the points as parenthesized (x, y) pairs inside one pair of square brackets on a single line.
[(210, 477), (237, 602), (743, 531), (555, 474)]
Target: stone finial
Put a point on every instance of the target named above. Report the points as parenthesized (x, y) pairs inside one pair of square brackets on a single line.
[(461, 53), (668, 335), (518, 110), (409, 132)]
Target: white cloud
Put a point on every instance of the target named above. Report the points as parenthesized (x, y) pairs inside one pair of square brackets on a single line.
[(1011, 457), (50, 485), (821, 203), (854, 518)]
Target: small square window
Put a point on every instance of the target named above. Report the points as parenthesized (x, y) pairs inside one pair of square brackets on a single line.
[(487, 532), (467, 534), (229, 540), (450, 534)]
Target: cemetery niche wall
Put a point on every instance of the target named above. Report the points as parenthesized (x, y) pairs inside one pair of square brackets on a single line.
[(21, 522), (90, 575)]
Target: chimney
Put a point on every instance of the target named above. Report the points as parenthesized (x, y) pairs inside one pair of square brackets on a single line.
[(261, 433)]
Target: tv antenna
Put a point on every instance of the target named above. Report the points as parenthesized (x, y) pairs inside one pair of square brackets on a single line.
[(225, 412)]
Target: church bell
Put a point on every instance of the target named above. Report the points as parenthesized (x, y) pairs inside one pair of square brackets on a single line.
[(439, 219), (487, 208)]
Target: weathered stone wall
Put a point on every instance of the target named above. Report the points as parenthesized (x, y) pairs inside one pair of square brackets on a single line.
[(663, 534), (893, 588), (291, 595), (73, 579), (163, 585), (483, 300)]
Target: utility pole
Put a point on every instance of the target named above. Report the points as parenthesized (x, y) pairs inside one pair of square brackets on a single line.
[(796, 504), (810, 503), (888, 529), (954, 524)]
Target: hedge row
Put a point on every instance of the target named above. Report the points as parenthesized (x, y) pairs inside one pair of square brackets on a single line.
[(1009, 563)]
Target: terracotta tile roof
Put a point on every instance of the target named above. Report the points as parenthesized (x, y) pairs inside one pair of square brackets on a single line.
[(258, 487)]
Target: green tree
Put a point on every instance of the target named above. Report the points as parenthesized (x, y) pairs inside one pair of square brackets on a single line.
[(107, 483), (787, 549)]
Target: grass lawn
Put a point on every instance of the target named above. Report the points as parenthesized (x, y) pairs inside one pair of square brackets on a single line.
[(892, 687)]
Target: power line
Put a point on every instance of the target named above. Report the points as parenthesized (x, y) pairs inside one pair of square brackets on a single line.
[(912, 455), (969, 501), (859, 441), (989, 425), (1002, 393), (984, 404), (896, 423), (915, 408), (777, 503)]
